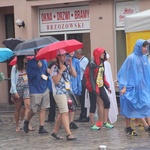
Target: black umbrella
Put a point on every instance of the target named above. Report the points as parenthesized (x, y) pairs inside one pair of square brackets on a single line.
[(11, 43), (28, 47)]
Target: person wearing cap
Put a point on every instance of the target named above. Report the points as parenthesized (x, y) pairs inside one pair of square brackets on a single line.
[(60, 74)]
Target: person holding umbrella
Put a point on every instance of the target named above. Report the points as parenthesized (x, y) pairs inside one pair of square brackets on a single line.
[(60, 74), (37, 72)]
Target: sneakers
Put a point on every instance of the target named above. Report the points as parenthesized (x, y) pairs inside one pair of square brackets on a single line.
[(25, 126), (107, 125), (42, 130), (94, 127), (73, 126), (130, 132), (99, 124)]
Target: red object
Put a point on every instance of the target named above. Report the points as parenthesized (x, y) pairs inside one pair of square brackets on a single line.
[(49, 52), (70, 105), (99, 124), (14, 61), (87, 73)]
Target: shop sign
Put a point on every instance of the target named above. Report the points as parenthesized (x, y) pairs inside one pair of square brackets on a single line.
[(64, 19), (123, 9)]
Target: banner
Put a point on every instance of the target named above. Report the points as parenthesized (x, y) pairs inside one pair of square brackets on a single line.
[(64, 19)]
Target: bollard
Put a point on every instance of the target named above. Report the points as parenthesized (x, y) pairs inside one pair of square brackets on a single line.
[(102, 147)]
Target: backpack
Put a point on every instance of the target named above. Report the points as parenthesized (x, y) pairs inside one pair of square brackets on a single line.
[(88, 77), (85, 72)]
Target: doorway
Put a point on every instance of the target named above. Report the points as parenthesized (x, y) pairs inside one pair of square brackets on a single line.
[(120, 47), (10, 33)]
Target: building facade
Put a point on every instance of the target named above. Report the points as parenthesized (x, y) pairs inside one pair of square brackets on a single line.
[(96, 23)]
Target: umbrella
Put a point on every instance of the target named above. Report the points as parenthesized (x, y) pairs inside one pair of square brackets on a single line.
[(50, 51), (28, 47), (5, 54), (11, 43), (14, 61)]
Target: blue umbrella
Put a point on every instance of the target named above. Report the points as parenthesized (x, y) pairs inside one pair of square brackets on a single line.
[(5, 54)]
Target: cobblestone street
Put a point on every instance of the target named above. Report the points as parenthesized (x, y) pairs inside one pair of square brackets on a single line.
[(114, 139)]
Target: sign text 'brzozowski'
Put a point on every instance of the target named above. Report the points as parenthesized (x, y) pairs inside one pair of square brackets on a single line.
[(60, 19)]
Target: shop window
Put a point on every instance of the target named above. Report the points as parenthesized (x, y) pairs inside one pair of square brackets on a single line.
[(82, 37), (60, 37), (10, 33), (85, 39)]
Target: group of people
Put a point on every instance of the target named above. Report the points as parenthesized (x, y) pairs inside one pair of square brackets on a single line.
[(35, 86)]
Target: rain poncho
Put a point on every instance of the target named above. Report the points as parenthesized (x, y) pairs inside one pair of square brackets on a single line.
[(113, 111), (135, 76), (76, 81)]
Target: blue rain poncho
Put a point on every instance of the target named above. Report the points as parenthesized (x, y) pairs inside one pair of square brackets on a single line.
[(135, 76)]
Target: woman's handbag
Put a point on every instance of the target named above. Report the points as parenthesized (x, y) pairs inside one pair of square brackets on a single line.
[(73, 98), (2, 77)]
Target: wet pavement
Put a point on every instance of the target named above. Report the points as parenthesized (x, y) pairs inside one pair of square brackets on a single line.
[(114, 139)]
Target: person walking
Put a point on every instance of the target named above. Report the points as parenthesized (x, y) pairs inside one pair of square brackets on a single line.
[(134, 85), (20, 91), (37, 72), (60, 74)]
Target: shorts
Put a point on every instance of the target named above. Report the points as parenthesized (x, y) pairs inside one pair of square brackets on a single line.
[(62, 102), (39, 101), (23, 92)]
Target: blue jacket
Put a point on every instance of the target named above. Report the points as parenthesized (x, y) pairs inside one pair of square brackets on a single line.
[(37, 85), (76, 81)]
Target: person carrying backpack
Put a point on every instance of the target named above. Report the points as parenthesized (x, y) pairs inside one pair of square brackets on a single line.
[(96, 83)]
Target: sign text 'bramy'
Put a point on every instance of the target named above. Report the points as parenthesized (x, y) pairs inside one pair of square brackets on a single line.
[(60, 19)]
